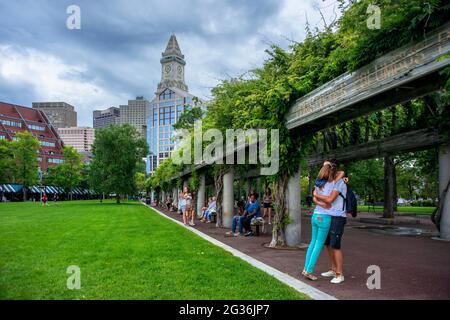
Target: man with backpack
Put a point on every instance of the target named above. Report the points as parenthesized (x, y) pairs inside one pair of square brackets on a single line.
[(342, 205)]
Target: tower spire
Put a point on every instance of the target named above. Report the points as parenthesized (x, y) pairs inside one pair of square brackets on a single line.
[(173, 48), (172, 66)]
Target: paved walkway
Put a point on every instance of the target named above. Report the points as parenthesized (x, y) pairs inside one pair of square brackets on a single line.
[(412, 267)]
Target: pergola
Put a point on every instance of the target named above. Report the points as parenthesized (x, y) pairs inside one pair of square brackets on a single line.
[(407, 73)]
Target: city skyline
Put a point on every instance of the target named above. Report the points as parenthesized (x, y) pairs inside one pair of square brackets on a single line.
[(115, 55)]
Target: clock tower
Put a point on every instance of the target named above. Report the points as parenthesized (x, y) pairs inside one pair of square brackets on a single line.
[(172, 67)]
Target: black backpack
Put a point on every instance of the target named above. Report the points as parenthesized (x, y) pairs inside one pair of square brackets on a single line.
[(350, 203)]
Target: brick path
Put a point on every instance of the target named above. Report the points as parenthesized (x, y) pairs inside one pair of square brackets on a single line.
[(412, 267)]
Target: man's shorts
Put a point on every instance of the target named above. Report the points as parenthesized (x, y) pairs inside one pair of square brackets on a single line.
[(336, 232)]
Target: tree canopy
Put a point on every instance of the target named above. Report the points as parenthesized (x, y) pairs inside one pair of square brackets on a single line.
[(118, 151), (67, 175), (25, 152)]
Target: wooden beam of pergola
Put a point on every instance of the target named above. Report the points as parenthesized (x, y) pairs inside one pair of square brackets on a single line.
[(405, 142), (401, 75)]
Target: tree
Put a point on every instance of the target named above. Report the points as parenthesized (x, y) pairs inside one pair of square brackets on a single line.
[(140, 182), (188, 118), (367, 178), (25, 151), (118, 151), (67, 175), (7, 165)]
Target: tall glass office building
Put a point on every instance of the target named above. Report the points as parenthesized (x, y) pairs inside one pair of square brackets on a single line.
[(172, 97)]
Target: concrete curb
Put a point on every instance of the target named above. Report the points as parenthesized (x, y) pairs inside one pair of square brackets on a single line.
[(281, 276)]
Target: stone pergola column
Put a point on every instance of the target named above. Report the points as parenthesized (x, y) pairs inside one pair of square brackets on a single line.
[(201, 194), (444, 176), (175, 197), (228, 199), (293, 202), (152, 196)]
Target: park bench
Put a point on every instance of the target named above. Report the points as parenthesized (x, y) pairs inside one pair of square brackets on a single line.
[(213, 214), (258, 222)]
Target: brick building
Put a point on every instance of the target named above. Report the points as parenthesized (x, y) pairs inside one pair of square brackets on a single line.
[(14, 118)]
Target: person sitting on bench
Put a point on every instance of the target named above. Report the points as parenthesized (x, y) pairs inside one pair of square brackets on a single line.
[(203, 219), (252, 211), (241, 205), (169, 202), (207, 213)]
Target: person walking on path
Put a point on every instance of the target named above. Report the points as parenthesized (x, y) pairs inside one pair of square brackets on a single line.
[(185, 205), (267, 205)]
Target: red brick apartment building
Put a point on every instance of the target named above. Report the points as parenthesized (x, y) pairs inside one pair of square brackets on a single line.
[(15, 119)]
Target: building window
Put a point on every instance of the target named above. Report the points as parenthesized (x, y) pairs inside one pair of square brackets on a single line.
[(11, 123), (35, 127), (2, 137), (167, 95), (47, 144), (166, 116), (55, 161)]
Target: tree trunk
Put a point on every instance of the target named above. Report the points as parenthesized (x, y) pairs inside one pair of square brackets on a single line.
[(249, 188), (24, 191), (394, 181), (278, 232), (218, 184), (118, 198), (389, 171), (310, 182)]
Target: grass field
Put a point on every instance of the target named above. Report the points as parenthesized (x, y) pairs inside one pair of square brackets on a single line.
[(124, 251), (402, 210)]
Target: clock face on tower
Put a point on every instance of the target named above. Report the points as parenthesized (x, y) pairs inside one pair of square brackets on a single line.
[(168, 68), (180, 70)]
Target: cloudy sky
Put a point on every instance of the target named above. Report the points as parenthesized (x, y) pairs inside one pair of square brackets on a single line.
[(115, 56)]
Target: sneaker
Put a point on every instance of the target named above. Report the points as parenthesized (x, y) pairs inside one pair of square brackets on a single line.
[(309, 276), (237, 234), (229, 233), (192, 224), (249, 234), (337, 279), (329, 274)]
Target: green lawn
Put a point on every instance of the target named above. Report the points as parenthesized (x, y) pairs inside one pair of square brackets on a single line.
[(124, 252), (402, 210)]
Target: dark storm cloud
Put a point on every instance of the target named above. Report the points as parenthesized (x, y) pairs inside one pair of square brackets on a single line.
[(120, 42)]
